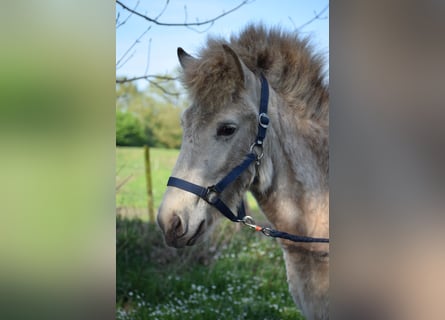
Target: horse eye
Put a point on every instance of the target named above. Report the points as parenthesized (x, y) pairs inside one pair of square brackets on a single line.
[(226, 130)]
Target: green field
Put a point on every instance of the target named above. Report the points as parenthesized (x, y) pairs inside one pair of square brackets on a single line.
[(130, 165), (234, 274)]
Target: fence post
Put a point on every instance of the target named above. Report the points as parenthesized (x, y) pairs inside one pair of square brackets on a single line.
[(151, 214)]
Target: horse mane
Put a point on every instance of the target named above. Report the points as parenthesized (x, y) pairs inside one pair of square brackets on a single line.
[(292, 70)]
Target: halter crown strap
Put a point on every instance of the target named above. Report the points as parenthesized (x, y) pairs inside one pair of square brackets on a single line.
[(263, 118)]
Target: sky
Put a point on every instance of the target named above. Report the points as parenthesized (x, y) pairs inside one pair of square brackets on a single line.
[(155, 52)]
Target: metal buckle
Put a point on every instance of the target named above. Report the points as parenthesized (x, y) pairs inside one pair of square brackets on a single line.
[(211, 196), (267, 232), (260, 153), (263, 120), (248, 221)]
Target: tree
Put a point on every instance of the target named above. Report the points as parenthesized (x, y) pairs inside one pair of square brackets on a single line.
[(129, 130), (165, 126), (149, 114)]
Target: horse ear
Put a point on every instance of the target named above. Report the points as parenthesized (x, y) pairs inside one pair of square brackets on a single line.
[(238, 63), (184, 57)]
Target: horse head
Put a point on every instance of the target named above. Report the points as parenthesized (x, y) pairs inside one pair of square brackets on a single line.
[(218, 130)]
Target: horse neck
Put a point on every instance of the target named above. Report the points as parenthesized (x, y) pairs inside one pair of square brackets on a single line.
[(291, 188)]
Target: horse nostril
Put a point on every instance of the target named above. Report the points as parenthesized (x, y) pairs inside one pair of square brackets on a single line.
[(177, 226), (176, 229)]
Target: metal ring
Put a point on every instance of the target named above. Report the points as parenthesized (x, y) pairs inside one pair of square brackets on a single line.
[(259, 155), (211, 196), (248, 220), (264, 124), (267, 231)]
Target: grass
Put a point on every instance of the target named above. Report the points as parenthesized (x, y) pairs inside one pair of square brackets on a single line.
[(130, 163), (234, 274)]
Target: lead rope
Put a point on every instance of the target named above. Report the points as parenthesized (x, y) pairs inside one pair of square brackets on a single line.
[(249, 222)]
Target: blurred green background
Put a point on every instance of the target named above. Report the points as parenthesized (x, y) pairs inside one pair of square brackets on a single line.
[(57, 112)]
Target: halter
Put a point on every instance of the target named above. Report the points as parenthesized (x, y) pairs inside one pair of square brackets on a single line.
[(211, 194)]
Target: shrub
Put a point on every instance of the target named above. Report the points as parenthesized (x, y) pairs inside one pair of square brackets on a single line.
[(129, 130)]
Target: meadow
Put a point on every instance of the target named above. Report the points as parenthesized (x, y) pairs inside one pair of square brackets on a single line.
[(234, 274), (130, 170)]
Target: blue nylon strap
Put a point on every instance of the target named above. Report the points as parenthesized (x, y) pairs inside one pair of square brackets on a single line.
[(295, 238), (241, 211), (187, 186), (203, 193), (263, 120), (221, 206), (218, 188), (235, 173)]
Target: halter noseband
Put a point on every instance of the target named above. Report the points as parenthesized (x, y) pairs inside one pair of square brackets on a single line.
[(211, 194)]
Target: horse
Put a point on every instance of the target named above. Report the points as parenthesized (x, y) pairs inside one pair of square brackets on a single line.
[(289, 178)]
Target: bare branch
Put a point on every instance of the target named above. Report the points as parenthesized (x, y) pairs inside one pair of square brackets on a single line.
[(163, 9), (192, 28), (146, 77), (184, 24), (148, 57), (190, 25), (201, 31), (317, 16), (126, 60), (165, 91), (126, 19), (156, 83), (118, 64), (123, 182), (185, 13), (293, 23)]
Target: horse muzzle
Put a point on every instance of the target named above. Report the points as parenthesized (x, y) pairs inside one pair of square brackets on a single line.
[(178, 230)]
